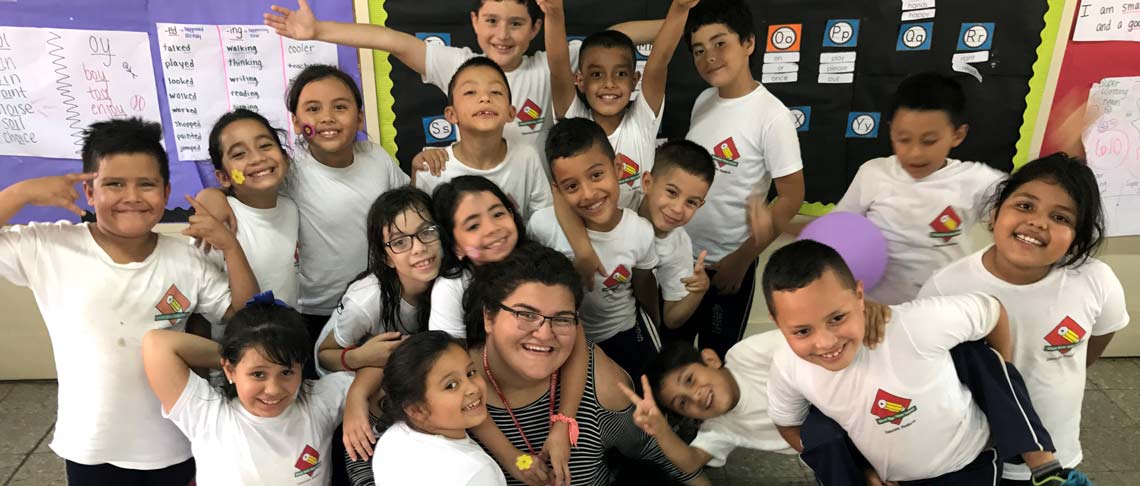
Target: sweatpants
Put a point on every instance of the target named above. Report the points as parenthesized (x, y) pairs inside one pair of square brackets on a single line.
[(633, 347), (720, 319), (107, 475)]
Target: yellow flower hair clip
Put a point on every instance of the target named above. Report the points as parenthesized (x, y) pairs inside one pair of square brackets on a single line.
[(237, 176)]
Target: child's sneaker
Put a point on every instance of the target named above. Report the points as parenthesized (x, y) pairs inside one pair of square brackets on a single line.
[(1064, 477)]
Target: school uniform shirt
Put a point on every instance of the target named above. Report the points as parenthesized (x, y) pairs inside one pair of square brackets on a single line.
[(1051, 321), (406, 456), (519, 175), (634, 140), (925, 221), (747, 425), (97, 312), (447, 305), (753, 141), (333, 205), (530, 90), (610, 308), (358, 317), (234, 447), (901, 403)]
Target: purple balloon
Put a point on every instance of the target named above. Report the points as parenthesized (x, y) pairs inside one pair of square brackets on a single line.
[(857, 240)]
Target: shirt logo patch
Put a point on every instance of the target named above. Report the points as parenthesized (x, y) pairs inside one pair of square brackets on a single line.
[(173, 306), (1065, 336), (891, 408), (308, 463), (726, 153), (530, 115), (630, 171), (620, 275), (946, 225)]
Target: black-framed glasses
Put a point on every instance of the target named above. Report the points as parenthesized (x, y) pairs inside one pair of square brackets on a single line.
[(530, 321), (403, 243)]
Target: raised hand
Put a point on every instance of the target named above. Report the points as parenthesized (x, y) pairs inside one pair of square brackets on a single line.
[(549, 6), (57, 191), (205, 227), (646, 415), (686, 4), (298, 24), (698, 282)]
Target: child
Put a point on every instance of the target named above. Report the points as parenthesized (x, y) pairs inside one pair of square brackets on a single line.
[(900, 404), (250, 164), (100, 286), (432, 395), (753, 142), (607, 76), (922, 201), (583, 164), (266, 426), (1064, 305), (479, 104)]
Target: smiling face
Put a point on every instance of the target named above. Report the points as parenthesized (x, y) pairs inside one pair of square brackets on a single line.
[(607, 77), (1034, 227), (721, 56), (673, 196), (588, 181), (504, 29), (922, 139), (420, 264), (484, 229), (536, 354), (265, 388), (700, 390), (128, 195), (823, 321), (453, 396), (251, 152), (481, 101), (328, 116)]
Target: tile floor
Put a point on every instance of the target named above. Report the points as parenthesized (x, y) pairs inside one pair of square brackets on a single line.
[(1110, 434)]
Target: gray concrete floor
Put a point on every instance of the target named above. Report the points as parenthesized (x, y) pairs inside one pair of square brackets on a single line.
[(1110, 432)]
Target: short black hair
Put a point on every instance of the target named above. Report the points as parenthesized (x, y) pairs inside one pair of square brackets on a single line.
[(215, 148), (609, 39), (734, 14), (798, 264), (931, 91), (474, 62), (124, 136), (572, 136), (674, 354), (318, 72), (685, 155), (532, 8), (1076, 179)]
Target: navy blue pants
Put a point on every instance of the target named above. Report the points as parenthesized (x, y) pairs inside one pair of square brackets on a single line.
[(633, 347), (720, 319), (181, 474), (999, 391)]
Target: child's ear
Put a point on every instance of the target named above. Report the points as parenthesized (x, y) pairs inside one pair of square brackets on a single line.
[(578, 80), (450, 115), (89, 191), (360, 120), (646, 182), (711, 359), (228, 370), (297, 128), (636, 77), (417, 413), (223, 178), (859, 293), (960, 135), (512, 112), (749, 44), (487, 321)]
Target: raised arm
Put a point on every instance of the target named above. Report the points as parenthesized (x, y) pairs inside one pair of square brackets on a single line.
[(167, 358), (641, 31), (58, 191), (664, 45), (562, 91), (650, 419), (301, 24)]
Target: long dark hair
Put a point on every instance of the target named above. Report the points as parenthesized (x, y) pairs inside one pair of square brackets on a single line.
[(276, 331), (215, 140), (405, 376), (446, 199)]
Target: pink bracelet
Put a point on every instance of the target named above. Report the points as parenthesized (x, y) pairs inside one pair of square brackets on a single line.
[(573, 424)]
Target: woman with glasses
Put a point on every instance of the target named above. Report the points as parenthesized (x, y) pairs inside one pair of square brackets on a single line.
[(528, 307)]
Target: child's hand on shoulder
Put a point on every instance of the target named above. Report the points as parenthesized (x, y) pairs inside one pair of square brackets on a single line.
[(298, 24), (56, 191), (206, 228), (433, 160), (698, 282), (877, 316), (647, 415)]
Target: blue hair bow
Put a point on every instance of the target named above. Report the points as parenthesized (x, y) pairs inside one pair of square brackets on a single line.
[(267, 298)]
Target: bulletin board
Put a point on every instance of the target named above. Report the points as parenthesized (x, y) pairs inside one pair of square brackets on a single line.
[(187, 176)]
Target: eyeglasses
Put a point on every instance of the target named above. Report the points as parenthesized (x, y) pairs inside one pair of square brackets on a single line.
[(531, 321), (402, 244)]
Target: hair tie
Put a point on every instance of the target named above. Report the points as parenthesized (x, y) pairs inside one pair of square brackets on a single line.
[(266, 298)]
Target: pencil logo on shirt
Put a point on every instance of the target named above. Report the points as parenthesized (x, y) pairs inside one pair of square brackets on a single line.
[(297, 255), (172, 306), (530, 115), (946, 225), (308, 463), (726, 153), (891, 408), (1065, 336), (619, 276), (630, 171)]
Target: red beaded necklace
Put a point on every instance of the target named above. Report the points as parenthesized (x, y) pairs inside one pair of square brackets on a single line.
[(507, 405)]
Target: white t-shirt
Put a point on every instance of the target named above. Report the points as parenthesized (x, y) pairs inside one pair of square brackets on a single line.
[(358, 317), (447, 305), (406, 456), (925, 221), (333, 204), (234, 447), (747, 424), (1044, 317), (519, 175), (674, 254), (752, 140), (901, 403), (96, 312), (530, 90), (634, 140), (610, 308)]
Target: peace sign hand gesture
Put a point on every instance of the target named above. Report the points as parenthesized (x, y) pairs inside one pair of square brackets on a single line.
[(647, 415), (204, 226)]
